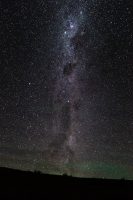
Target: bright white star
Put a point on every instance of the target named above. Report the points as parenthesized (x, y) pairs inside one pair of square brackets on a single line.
[(71, 26)]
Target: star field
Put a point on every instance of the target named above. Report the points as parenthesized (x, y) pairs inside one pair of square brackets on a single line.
[(66, 86)]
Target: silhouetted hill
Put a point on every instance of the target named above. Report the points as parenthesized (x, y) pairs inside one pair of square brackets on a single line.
[(21, 183)]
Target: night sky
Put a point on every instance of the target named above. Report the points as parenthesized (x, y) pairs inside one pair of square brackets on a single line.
[(66, 87)]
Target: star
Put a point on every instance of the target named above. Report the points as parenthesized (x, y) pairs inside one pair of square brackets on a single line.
[(81, 12), (71, 26)]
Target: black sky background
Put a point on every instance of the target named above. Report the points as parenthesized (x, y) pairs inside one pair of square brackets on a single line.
[(30, 47)]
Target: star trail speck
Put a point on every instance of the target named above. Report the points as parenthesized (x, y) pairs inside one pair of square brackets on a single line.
[(66, 87)]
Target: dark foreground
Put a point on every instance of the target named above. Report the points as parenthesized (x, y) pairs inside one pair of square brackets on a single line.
[(17, 184)]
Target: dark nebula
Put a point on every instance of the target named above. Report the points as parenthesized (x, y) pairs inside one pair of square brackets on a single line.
[(68, 68)]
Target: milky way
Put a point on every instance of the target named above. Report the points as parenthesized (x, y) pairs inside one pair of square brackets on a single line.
[(67, 94)]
